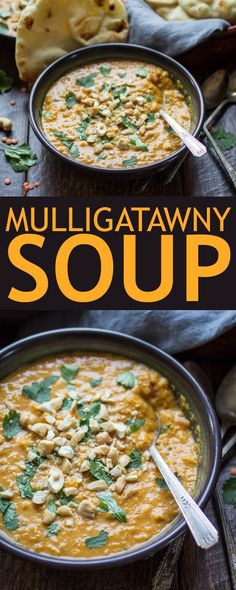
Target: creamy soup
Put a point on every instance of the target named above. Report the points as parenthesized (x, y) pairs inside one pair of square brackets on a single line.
[(10, 11), (107, 114), (76, 477)]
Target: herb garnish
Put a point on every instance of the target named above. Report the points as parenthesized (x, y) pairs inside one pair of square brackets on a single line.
[(142, 72), (51, 506), (96, 382), (108, 504), (150, 118), (11, 424), (135, 140), (69, 372), (118, 91), (105, 70), (4, 26), (32, 466), (169, 129), (67, 403), (52, 529), (69, 143), (229, 491), (5, 14), (162, 483), (128, 124), (86, 413), (130, 162), (135, 460), (20, 157), (87, 81), (164, 428), (40, 391), (135, 425), (98, 471), (224, 139), (126, 379), (71, 99), (82, 128), (9, 515), (99, 541), (24, 485)]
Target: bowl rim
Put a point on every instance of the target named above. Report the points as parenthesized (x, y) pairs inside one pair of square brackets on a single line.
[(119, 47), (150, 548)]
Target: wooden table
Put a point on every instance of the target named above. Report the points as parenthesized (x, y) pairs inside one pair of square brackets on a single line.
[(203, 177), (196, 570)]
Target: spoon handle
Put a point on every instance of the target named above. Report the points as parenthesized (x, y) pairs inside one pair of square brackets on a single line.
[(195, 147), (201, 528)]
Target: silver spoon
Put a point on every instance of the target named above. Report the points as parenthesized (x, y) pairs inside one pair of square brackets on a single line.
[(230, 99), (194, 145), (201, 528), (225, 401)]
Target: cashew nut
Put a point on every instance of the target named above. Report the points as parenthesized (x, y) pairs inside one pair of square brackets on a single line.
[(55, 480), (5, 124)]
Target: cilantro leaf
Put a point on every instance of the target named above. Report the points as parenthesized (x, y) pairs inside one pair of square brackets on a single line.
[(135, 460), (96, 382), (4, 502), (5, 14), (87, 81), (25, 489), (10, 518), (86, 413), (142, 73), (169, 129), (11, 424), (52, 529), (68, 143), (105, 70), (130, 162), (229, 491), (164, 428), (51, 506), (69, 372), (64, 500), (118, 91), (32, 466), (135, 425), (20, 157), (4, 26), (135, 140), (40, 391), (224, 139), (126, 379), (161, 483), (128, 124), (99, 541), (98, 471), (150, 118), (108, 504), (71, 99), (67, 403), (5, 82)]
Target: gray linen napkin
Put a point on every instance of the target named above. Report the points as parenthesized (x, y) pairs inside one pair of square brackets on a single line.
[(173, 331), (170, 37)]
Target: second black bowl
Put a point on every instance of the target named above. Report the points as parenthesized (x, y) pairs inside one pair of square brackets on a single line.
[(119, 51)]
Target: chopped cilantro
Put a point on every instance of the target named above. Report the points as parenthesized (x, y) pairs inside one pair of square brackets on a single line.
[(98, 471), (20, 157), (11, 424), (108, 504), (40, 391), (69, 372), (87, 81), (135, 460), (130, 161), (24, 485), (224, 139), (135, 425), (96, 542), (142, 73), (150, 118), (52, 529), (71, 99), (127, 379), (135, 140), (96, 382), (105, 70), (128, 124)]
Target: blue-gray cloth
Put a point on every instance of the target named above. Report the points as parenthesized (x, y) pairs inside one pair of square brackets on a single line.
[(170, 37), (173, 331)]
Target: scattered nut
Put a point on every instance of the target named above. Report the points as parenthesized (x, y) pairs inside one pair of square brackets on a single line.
[(48, 517), (5, 124), (86, 509), (64, 511), (66, 451), (97, 486), (40, 497), (56, 480), (45, 447)]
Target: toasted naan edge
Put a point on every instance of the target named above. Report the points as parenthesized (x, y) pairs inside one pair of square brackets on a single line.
[(225, 9), (48, 29)]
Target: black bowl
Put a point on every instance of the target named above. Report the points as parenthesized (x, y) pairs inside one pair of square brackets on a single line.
[(76, 339), (123, 51)]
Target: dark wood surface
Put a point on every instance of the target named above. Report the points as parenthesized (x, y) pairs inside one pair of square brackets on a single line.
[(196, 569), (203, 177)]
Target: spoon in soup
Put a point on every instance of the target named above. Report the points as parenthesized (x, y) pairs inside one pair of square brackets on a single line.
[(195, 146), (203, 531)]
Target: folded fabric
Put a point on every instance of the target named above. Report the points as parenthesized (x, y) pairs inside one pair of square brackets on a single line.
[(171, 37), (173, 331)]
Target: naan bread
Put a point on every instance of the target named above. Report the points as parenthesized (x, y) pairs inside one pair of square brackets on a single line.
[(225, 9), (48, 29), (194, 9)]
